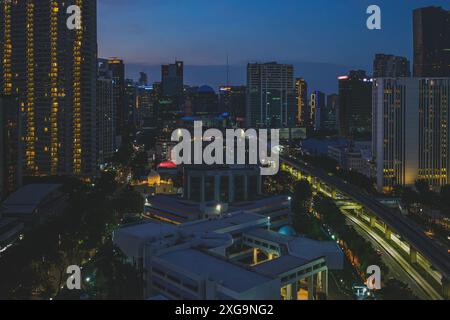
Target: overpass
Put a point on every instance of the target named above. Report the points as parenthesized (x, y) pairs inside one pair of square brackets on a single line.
[(434, 252)]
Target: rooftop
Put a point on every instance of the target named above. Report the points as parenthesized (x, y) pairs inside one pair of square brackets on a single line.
[(28, 198), (179, 210), (311, 249), (271, 236), (279, 266), (227, 274), (227, 222)]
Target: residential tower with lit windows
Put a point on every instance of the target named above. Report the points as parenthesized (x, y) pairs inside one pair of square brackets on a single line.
[(411, 138), (53, 70)]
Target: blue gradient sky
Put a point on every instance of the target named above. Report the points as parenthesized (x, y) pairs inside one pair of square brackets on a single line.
[(322, 38)]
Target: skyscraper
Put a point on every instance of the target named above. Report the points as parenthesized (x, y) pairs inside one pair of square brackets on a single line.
[(131, 96), (390, 66), (232, 99), (331, 114), (143, 79), (318, 111), (117, 68), (270, 95), (10, 145), (172, 79), (355, 104), (106, 109), (411, 137), (301, 94), (431, 42), (145, 103), (53, 70)]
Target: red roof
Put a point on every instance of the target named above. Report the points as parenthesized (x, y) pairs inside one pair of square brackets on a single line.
[(167, 165)]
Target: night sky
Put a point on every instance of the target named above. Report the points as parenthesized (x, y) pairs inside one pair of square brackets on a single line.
[(322, 38)]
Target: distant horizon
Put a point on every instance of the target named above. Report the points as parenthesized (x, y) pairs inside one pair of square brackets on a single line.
[(217, 74)]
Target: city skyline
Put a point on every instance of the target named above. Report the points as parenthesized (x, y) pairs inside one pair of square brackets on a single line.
[(318, 168), (158, 38)]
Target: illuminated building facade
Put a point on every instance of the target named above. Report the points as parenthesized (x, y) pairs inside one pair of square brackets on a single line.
[(270, 95), (53, 70), (301, 94), (410, 131)]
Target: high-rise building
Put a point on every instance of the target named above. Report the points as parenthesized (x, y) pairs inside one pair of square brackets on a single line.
[(318, 111), (411, 137), (53, 70), (106, 108), (390, 66), (431, 42), (143, 79), (232, 99), (145, 103), (131, 96), (331, 114), (117, 68), (10, 145), (270, 95), (204, 100), (355, 104), (172, 79), (301, 94)]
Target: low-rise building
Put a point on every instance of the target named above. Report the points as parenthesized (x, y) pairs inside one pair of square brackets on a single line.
[(34, 203), (351, 158), (176, 210), (236, 257), (154, 184)]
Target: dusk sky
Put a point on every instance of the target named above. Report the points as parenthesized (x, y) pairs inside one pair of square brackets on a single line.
[(322, 38)]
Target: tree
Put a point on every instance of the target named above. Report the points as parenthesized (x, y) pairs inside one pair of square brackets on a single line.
[(117, 279), (130, 202), (396, 290), (409, 196), (330, 213), (426, 195), (302, 197)]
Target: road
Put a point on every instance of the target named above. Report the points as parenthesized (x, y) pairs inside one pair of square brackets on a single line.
[(433, 251), (397, 264)]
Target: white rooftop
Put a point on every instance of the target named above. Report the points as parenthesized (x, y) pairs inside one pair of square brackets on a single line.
[(227, 274)]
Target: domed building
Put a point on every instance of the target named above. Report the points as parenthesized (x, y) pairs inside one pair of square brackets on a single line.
[(154, 184), (153, 179)]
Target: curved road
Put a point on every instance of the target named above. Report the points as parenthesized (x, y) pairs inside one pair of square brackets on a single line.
[(420, 286), (414, 235)]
